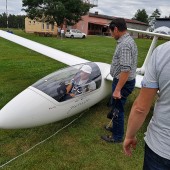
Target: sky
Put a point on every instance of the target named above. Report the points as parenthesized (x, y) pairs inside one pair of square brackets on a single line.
[(118, 8)]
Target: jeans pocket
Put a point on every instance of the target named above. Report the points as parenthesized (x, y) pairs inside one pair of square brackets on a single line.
[(127, 89)]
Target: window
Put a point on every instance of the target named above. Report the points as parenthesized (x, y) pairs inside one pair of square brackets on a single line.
[(43, 26), (78, 31), (47, 26), (52, 27)]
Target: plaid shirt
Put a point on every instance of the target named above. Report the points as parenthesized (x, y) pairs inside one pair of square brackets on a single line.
[(125, 57)]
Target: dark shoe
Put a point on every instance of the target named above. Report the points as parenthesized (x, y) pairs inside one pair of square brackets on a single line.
[(108, 128), (110, 139)]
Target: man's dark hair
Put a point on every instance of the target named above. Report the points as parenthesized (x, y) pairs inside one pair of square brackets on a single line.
[(119, 23)]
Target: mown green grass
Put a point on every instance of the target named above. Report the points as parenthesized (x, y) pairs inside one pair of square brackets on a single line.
[(77, 147)]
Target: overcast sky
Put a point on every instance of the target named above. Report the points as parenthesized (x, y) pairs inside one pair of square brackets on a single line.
[(118, 8)]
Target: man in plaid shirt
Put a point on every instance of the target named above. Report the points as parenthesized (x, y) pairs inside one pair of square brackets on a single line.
[(123, 71)]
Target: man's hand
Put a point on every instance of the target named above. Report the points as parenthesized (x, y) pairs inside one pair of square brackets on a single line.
[(128, 145), (116, 94)]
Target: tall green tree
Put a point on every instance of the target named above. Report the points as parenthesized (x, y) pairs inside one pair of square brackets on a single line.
[(141, 15), (59, 11), (156, 13), (3, 20), (152, 19), (14, 21)]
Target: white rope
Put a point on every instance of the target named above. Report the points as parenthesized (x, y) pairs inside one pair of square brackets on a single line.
[(1, 166)]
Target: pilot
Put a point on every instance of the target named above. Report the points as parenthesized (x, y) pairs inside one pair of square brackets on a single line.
[(81, 83)]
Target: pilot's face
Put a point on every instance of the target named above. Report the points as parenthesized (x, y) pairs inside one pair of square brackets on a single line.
[(84, 75)]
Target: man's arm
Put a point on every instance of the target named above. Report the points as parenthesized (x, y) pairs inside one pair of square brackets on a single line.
[(68, 88), (122, 80), (138, 113)]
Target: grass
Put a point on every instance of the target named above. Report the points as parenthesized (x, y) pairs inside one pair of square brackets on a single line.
[(77, 146)]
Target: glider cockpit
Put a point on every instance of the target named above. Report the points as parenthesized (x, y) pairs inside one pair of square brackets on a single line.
[(55, 84)]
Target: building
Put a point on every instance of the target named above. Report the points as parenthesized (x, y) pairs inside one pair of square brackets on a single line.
[(91, 24), (45, 28), (162, 22), (96, 24), (40, 27)]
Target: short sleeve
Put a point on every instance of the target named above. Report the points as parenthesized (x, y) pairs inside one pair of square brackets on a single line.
[(150, 79), (92, 86)]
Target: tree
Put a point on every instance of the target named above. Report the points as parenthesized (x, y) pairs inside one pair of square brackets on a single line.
[(152, 19), (3, 20), (14, 21), (141, 15), (167, 16), (59, 11), (156, 13)]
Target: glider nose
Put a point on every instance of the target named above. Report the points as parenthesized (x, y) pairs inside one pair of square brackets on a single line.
[(28, 109)]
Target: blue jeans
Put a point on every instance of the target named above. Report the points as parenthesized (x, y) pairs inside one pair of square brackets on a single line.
[(118, 122), (152, 161)]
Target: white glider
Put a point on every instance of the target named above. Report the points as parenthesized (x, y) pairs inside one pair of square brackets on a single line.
[(40, 103)]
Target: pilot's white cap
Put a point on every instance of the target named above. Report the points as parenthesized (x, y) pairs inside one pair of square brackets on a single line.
[(86, 69)]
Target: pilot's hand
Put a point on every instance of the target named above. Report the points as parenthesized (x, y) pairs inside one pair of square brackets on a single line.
[(72, 94)]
